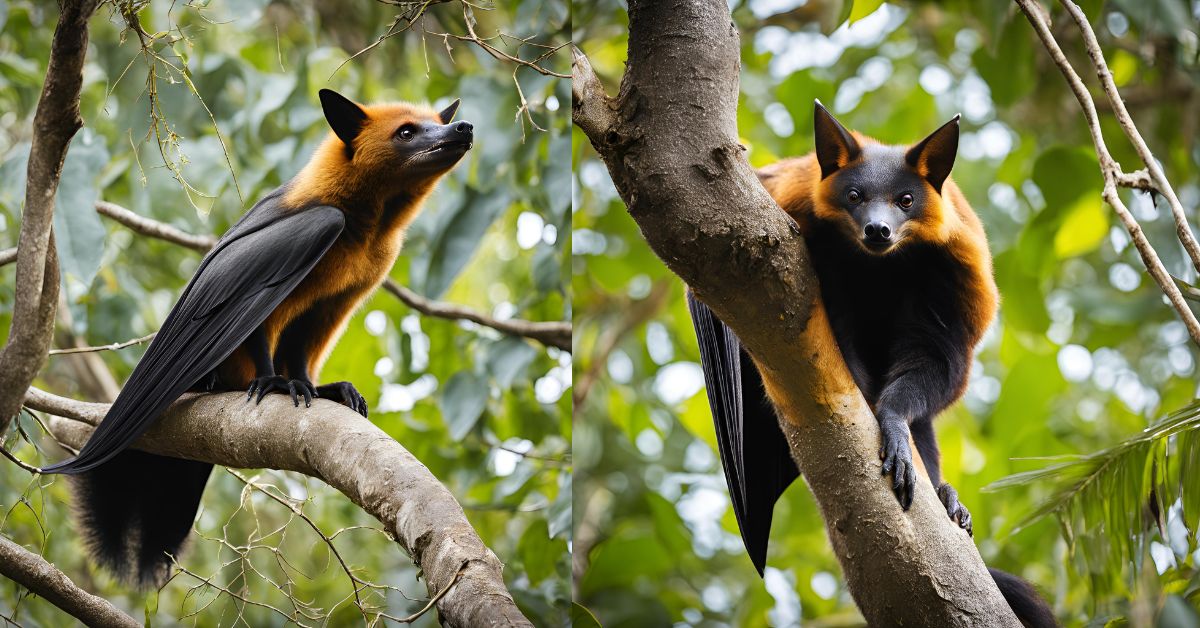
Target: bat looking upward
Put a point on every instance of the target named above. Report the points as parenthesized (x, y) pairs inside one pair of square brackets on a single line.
[(261, 314)]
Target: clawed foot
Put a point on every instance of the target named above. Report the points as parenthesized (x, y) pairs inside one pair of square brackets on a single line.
[(898, 461), (958, 513), (344, 393), (295, 387)]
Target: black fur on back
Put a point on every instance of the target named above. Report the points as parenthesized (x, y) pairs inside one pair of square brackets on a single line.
[(1024, 600), (136, 510)]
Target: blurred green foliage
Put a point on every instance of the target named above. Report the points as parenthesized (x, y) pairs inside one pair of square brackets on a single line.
[(488, 414), (1085, 354)]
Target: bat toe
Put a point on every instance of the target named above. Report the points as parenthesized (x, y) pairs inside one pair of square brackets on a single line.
[(954, 508), (344, 393)]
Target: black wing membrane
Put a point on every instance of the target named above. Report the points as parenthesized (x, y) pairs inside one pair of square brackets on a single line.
[(754, 452), (249, 272)]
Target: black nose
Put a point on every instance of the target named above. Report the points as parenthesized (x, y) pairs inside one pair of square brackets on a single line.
[(877, 232), (464, 128)]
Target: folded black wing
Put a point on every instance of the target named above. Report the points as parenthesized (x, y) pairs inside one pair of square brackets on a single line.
[(249, 272), (758, 464)]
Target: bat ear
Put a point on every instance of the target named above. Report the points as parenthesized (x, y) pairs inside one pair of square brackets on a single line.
[(933, 157), (344, 116), (836, 147), (447, 114)]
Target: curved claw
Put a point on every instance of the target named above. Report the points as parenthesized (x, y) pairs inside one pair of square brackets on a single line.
[(954, 508), (295, 388), (897, 461), (344, 393)]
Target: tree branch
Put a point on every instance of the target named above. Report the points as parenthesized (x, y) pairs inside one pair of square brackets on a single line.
[(671, 147), (552, 334), (35, 573), (1110, 169), (54, 124), (338, 446), (1162, 185), (154, 228)]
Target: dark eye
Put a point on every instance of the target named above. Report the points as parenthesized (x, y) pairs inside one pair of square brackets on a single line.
[(854, 196), (905, 200), (407, 132)]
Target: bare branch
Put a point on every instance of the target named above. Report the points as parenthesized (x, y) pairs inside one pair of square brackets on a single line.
[(8, 256), (1135, 137), (35, 573), (1111, 170), (112, 347), (332, 443), (552, 334), (54, 124), (154, 228)]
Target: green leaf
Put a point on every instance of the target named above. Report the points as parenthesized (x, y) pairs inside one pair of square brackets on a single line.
[(863, 8), (459, 236), (539, 552), (1083, 229), (78, 232), (508, 358), (581, 617), (462, 402)]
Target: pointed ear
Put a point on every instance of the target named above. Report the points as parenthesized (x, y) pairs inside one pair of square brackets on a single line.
[(835, 146), (447, 114), (933, 157), (344, 116)]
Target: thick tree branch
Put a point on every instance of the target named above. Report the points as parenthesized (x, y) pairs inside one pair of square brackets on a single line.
[(671, 145), (338, 446), (42, 578), (1110, 169), (54, 124)]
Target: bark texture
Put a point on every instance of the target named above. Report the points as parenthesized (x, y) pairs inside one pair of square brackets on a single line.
[(338, 446), (670, 141), (54, 124)]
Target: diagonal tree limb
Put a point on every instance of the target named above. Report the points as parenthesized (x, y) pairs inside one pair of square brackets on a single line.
[(1154, 170), (35, 573), (54, 124), (670, 142), (338, 446), (1110, 169)]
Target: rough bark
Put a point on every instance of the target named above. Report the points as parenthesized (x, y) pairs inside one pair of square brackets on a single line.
[(37, 574), (336, 445), (54, 124), (670, 141)]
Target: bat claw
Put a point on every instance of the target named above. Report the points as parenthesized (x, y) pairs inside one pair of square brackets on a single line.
[(344, 393), (898, 461), (958, 513), (295, 388)]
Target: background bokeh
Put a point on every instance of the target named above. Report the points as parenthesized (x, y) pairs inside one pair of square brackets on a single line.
[(1085, 353), (488, 414)]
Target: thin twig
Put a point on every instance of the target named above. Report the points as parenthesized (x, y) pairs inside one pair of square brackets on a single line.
[(415, 616), (1111, 170), (1161, 184), (112, 347), (553, 333)]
